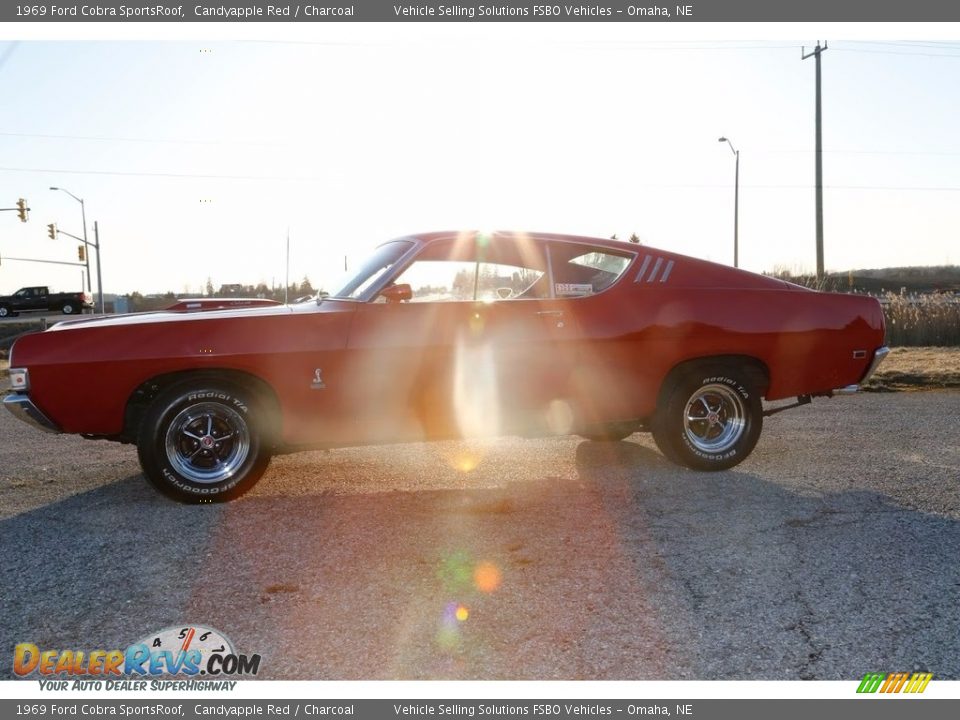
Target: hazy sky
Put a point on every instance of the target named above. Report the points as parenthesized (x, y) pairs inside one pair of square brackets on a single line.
[(195, 157)]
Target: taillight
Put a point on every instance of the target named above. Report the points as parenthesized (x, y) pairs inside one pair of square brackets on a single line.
[(19, 379)]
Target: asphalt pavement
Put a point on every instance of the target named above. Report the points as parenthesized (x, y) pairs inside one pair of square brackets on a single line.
[(832, 551)]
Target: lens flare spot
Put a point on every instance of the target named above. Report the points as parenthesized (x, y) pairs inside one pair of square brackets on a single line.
[(477, 323), (462, 613), (465, 463), (487, 577), (455, 571), (448, 638), (559, 417), (464, 457)]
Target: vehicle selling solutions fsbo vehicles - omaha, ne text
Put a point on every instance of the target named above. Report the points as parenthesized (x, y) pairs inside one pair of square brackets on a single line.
[(451, 335)]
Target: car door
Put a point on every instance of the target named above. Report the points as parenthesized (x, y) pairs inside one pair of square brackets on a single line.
[(402, 355), (482, 347)]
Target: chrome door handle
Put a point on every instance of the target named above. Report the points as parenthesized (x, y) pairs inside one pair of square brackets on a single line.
[(550, 313)]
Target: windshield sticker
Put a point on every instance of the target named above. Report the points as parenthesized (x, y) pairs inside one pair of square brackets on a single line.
[(568, 289)]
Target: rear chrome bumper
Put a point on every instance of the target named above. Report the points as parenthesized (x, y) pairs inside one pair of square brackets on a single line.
[(878, 357), (24, 410)]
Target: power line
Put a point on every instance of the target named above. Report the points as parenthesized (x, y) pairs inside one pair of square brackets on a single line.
[(292, 178), (907, 43), (106, 138), (895, 52), (199, 176)]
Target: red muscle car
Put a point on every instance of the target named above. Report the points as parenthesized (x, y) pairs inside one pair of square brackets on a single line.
[(451, 335)]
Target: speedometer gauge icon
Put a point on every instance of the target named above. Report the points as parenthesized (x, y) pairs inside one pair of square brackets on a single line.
[(181, 639)]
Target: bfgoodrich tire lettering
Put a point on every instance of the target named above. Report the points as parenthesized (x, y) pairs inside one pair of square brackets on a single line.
[(709, 419), (203, 442)]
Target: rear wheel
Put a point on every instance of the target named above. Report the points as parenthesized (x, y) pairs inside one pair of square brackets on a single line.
[(4, 311), (710, 418), (203, 442), (68, 308)]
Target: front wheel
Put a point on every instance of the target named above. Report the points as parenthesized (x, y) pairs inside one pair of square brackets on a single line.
[(202, 442), (709, 419)]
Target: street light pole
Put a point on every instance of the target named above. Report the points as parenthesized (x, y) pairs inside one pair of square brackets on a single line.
[(96, 246), (736, 203)]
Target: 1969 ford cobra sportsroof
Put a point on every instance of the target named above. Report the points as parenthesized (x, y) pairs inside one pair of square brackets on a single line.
[(452, 335)]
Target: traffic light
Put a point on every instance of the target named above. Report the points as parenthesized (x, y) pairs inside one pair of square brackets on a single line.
[(81, 253), (22, 209), (52, 231)]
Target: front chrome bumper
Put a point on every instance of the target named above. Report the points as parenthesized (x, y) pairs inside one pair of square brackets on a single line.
[(878, 357), (24, 410)]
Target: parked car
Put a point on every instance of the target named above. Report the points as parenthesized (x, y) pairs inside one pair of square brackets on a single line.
[(451, 335), (39, 297)]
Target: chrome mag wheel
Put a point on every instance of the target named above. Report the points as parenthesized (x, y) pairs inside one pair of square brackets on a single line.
[(714, 418), (207, 442)]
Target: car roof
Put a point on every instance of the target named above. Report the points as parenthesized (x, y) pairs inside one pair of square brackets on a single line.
[(432, 237)]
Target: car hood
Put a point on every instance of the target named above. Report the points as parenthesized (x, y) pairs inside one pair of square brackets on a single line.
[(162, 316)]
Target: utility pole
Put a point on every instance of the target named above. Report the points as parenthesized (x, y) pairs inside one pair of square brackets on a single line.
[(96, 236), (819, 159), (286, 286)]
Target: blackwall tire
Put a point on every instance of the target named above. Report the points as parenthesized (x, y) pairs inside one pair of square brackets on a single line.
[(203, 442), (4, 311), (710, 418), (67, 309)]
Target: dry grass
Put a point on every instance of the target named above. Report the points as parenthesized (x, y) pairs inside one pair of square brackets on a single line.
[(922, 321)]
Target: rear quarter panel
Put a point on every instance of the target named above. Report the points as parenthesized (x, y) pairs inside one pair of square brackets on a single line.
[(634, 334)]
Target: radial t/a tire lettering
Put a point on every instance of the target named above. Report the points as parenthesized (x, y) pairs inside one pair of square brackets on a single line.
[(710, 418), (203, 441)]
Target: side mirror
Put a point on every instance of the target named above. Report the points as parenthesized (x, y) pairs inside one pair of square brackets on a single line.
[(397, 293)]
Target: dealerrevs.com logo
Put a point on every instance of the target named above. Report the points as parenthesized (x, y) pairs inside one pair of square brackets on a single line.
[(894, 682), (191, 651)]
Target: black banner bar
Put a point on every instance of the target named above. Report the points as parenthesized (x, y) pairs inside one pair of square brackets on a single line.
[(492, 11)]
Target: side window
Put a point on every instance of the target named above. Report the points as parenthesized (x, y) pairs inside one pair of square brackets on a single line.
[(440, 280), (497, 281), (581, 270), (478, 270)]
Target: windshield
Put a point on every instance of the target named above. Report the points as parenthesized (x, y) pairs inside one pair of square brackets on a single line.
[(372, 269)]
